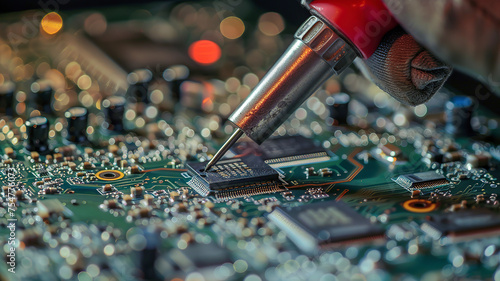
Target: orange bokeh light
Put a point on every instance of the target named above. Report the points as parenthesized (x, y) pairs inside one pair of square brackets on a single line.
[(232, 27), (51, 23), (204, 52)]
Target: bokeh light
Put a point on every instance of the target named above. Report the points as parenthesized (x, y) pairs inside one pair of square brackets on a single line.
[(51, 23), (271, 24), (204, 52), (232, 27)]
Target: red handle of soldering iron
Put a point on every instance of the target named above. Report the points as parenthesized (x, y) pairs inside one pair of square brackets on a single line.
[(362, 22)]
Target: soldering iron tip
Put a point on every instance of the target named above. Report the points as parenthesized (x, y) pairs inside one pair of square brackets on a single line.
[(227, 145)]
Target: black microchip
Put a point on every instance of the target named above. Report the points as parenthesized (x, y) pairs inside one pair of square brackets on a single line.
[(420, 181), (230, 173), (462, 225), (42, 172), (324, 224), (285, 151)]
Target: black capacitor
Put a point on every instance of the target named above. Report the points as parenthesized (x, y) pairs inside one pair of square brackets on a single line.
[(459, 111), (7, 90), (339, 108), (175, 75), (42, 95), (37, 131), (76, 117), (114, 109), (149, 255), (138, 85)]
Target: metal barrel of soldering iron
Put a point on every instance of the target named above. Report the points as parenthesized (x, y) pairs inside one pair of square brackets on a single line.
[(315, 55)]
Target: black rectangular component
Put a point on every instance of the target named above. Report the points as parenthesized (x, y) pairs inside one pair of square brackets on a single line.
[(423, 180), (324, 224), (285, 151), (232, 173), (463, 225)]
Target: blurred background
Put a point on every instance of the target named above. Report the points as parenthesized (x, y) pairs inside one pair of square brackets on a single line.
[(171, 56)]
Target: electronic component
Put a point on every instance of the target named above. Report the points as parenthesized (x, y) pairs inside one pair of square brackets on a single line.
[(390, 150), (42, 93), (139, 83), (285, 151), (459, 116), (389, 154), (339, 108), (175, 76), (76, 117), (325, 224), (114, 108), (37, 131), (7, 97), (452, 156), (42, 172), (249, 173), (51, 207), (463, 224), (420, 181), (479, 160)]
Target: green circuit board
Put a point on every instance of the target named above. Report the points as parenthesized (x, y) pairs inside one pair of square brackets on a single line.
[(389, 195)]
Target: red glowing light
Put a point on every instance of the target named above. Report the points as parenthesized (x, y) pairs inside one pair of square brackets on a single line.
[(204, 52)]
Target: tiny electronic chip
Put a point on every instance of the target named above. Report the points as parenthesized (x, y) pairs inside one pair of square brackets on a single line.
[(285, 151), (463, 225), (234, 173), (389, 154), (52, 207), (325, 224), (420, 181)]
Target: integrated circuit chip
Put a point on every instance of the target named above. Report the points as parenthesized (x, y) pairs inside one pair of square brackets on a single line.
[(325, 224), (463, 225), (285, 151), (246, 173), (420, 181)]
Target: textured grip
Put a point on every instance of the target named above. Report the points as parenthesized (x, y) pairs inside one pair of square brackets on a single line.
[(404, 69)]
